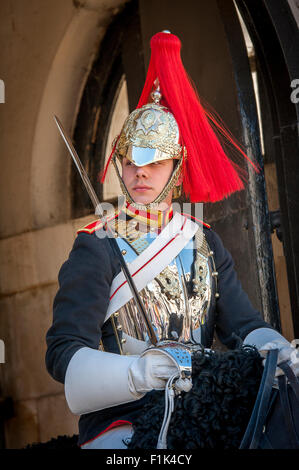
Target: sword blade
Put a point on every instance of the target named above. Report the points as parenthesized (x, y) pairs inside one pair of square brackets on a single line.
[(113, 243), (80, 168)]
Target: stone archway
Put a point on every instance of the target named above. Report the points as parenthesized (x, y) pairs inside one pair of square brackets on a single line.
[(50, 186)]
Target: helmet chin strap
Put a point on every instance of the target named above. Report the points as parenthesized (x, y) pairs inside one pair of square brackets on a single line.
[(165, 191)]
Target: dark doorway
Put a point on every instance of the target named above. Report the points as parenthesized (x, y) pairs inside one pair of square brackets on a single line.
[(120, 57), (275, 36)]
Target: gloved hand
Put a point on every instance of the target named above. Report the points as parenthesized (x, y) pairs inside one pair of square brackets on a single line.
[(286, 352), (151, 371)]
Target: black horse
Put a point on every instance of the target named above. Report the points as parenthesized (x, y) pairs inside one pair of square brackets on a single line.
[(213, 414)]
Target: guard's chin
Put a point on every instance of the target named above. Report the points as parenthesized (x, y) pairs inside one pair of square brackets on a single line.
[(141, 198)]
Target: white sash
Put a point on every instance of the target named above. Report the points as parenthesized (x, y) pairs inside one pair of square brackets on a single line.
[(159, 254)]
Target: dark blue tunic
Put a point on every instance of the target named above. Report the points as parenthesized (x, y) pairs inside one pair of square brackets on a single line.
[(82, 301)]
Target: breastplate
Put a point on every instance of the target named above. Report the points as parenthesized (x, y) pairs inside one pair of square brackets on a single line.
[(177, 301)]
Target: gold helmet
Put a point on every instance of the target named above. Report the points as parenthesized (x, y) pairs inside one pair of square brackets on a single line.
[(149, 134)]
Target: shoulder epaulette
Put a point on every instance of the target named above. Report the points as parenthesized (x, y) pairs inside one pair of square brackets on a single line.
[(197, 220), (96, 225)]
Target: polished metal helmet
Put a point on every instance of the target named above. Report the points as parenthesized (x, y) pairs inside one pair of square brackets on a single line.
[(149, 134)]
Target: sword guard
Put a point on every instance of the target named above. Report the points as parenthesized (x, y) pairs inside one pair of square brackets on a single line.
[(180, 353)]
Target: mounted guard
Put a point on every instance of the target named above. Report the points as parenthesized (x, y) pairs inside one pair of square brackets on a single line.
[(127, 317)]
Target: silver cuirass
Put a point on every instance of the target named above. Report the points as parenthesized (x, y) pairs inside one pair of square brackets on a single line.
[(177, 300)]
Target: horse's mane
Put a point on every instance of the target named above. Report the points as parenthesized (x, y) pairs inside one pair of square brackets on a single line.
[(215, 413)]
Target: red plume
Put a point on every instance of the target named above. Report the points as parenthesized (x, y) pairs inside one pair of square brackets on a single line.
[(103, 173), (209, 175)]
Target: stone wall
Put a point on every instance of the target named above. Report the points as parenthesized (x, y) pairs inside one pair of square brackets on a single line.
[(49, 46)]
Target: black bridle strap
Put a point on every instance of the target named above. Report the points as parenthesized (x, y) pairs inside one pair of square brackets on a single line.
[(259, 414), (287, 413)]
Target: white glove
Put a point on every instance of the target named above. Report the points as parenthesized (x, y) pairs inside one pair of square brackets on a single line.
[(96, 380), (285, 353), (151, 371), (266, 338)]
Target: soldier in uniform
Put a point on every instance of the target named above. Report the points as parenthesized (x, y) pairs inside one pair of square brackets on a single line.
[(98, 345)]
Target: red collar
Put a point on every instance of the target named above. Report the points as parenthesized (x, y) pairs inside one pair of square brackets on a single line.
[(153, 218)]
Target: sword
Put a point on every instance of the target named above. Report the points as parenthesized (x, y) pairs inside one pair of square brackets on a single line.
[(112, 241)]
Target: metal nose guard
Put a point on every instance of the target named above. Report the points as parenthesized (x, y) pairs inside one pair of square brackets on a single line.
[(144, 156)]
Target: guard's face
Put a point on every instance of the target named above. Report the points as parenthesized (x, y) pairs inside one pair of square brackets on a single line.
[(145, 183)]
